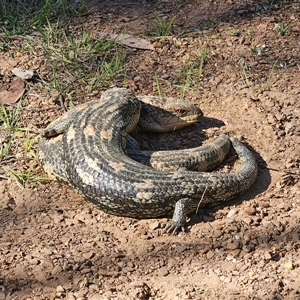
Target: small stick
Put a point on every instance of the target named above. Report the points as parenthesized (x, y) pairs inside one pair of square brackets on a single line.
[(202, 197), (293, 171)]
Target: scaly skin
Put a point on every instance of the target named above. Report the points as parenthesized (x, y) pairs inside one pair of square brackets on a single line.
[(158, 114), (201, 158), (93, 152)]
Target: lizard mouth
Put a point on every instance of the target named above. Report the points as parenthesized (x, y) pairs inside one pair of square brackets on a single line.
[(175, 122), (192, 118)]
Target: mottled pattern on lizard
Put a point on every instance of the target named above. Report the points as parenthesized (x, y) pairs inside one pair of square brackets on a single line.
[(93, 151)]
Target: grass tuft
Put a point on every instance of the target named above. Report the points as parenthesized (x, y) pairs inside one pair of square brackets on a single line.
[(24, 177), (192, 72), (160, 28), (281, 29), (270, 81), (9, 127), (91, 61), (21, 17)]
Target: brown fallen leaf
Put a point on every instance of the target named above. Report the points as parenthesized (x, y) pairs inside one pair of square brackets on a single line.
[(14, 93), (128, 40)]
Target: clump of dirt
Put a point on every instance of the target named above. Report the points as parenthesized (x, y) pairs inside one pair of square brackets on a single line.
[(54, 245)]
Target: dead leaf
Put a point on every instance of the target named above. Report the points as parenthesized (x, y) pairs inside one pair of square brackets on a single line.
[(24, 74), (128, 40), (134, 42), (14, 93)]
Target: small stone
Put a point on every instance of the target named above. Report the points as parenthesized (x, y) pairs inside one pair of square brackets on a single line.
[(60, 289), (264, 204), (34, 261), (288, 265), (2, 296), (271, 119), (279, 116), (289, 127), (46, 251), (143, 231), (251, 274), (165, 76), (94, 288), (235, 252), (289, 165), (163, 272), (232, 246), (231, 213), (78, 259), (218, 233), (154, 225), (210, 254), (88, 255), (251, 211), (267, 255), (229, 221), (70, 296)]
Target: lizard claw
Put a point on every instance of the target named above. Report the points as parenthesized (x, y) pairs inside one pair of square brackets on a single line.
[(179, 216), (174, 227)]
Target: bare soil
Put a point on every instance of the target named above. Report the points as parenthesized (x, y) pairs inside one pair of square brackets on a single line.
[(54, 245)]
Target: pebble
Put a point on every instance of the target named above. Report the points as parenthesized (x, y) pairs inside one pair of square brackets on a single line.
[(88, 255), (94, 287), (70, 296), (34, 261), (289, 127), (288, 265), (60, 289), (154, 225), (251, 211), (78, 259), (46, 251), (165, 76), (231, 213), (267, 255), (271, 119), (218, 233), (210, 254), (232, 246), (235, 252), (163, 272)]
